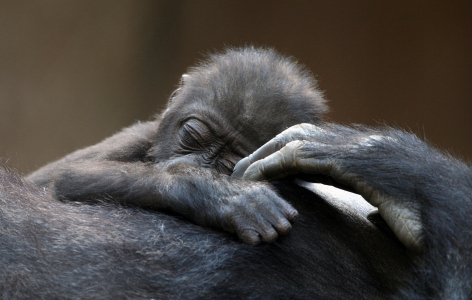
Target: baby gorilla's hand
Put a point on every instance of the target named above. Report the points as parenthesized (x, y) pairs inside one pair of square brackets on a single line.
[(256, 213), (251, 209)]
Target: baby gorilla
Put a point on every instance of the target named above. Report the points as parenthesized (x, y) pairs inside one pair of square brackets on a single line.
[(225, 109)]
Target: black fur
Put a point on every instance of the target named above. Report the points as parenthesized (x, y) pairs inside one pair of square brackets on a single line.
[(55, 250), (423, 195), (226, 108), (436, 185), (72, 250)]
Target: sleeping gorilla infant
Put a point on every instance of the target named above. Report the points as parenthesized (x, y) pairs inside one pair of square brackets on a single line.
[(227, 111), (224, 109)]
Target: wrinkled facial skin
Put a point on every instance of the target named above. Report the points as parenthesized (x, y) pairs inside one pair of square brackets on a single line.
[(223, 111), (210, 149), (205, 142)]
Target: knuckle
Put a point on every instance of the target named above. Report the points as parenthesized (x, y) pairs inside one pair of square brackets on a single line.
[(296, 145)]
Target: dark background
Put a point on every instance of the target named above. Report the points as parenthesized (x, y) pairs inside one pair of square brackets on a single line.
[(75, 72)]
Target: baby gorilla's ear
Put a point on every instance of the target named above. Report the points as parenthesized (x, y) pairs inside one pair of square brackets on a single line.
[(183, 79)]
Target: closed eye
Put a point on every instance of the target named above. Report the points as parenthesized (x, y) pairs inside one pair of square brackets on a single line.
[(195, 136), (190, 138)]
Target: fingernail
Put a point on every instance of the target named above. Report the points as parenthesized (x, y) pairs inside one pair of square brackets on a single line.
[(240, 167)]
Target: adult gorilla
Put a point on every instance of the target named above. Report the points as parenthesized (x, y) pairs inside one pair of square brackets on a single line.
[(423, 195), (72, 250)]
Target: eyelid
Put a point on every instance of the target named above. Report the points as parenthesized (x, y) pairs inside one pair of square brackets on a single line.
[(191, 130), (197, 130), (195, 135), (199, 127), (190, 139)]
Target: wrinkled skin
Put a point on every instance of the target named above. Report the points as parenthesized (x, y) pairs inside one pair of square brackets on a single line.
[(424, 196), (181, 161)]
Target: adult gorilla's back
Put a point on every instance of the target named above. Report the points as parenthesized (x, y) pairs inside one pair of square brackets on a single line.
[(55, 250)]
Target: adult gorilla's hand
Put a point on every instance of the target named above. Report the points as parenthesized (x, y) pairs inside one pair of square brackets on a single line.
[(375, 164)]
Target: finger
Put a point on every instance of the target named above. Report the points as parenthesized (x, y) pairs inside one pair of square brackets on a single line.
[(261, 231), (283, 226), (278, 165), (287, 210), (249, 236), (267, 149), (241, 167), (276, 215), (280, 223), (297, 132), (268, 233)]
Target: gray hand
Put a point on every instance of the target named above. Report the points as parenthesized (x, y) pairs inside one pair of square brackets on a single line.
[(332, 152)]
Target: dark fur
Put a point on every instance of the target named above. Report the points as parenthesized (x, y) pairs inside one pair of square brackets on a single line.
[(71, 250), (54, 250), (419, 184), (436, 184), (224, 110)]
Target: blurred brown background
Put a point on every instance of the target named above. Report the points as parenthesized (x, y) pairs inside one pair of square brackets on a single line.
[(75, 72)]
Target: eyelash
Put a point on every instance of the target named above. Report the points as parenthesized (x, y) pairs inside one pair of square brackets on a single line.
[(190, 138), (228, 165), (221, 168)]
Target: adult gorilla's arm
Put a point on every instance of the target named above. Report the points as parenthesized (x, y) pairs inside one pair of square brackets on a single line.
[(422, 194)]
